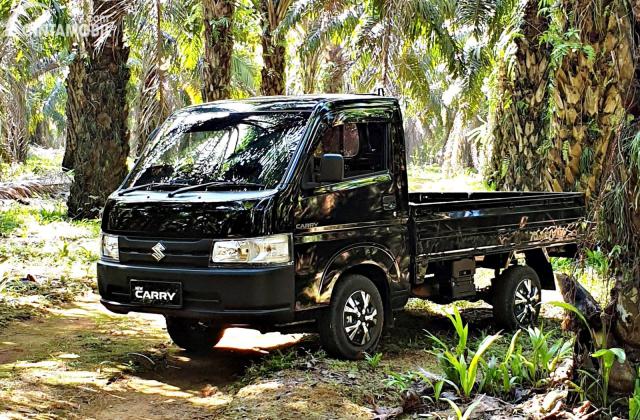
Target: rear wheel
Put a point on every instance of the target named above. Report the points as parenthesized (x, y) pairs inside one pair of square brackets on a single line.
[(517, 298), (352, 325), (194, 335)]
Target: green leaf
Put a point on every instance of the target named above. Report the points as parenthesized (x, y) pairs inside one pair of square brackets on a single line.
[(608, 355), (455, 407), (473, 366), (469, 410), (571, 308)]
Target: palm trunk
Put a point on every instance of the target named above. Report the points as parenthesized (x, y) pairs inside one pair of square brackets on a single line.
[(152, 107), (15, 141), (75, 106), (520, 125), (310, 68), (101, 135), (218, 43), (273, 50), (13, 103), (616, 179), (386, 42), (573, 127), (334, 82), (15, 123)]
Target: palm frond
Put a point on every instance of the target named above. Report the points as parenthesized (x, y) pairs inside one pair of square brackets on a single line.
[(107, 19), (476, 14), (244, 74), (430, 25)]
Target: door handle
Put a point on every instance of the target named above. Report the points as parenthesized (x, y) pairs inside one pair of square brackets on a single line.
[(389, 202)]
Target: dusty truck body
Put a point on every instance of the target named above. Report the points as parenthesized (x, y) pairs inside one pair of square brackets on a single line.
[(293, 213)]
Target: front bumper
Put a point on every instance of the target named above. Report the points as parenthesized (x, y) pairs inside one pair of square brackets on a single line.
[(234, 296)]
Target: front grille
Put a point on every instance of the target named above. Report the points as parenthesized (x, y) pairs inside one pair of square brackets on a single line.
[(194, 253)]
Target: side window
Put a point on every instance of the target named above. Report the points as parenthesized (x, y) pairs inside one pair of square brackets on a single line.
[(372, 152), (340, 139), (364, 147)]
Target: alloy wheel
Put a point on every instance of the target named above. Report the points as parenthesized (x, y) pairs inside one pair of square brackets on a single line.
[(359, 317), (527, 301)]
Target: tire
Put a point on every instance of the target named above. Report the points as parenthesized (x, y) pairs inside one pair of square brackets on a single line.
[(193, 335), (353, 323), (517, 298)]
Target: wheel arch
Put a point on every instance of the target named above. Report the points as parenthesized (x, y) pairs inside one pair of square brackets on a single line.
[(370, 260)]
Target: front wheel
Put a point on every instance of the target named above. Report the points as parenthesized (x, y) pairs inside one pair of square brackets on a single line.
[(193, 335), (352, 325), (517, 298)]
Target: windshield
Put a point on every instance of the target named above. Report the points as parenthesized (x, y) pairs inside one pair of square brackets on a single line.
[(236, 148)]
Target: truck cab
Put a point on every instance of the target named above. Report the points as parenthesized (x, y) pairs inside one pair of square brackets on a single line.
[(293, 213)]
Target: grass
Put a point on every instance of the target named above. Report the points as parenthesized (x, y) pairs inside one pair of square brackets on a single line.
[(11, 310), (500, 365), (11, 220), (45, 258), (433, 178), (274, 362), (39, 163), (16, 217)]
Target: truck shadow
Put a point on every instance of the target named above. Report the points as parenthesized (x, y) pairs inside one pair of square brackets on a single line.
[(225, 364)]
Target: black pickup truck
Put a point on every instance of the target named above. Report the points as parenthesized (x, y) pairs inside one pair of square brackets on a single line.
[(293, 213)]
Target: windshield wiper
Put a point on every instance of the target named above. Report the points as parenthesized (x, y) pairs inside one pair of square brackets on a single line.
[(149, 185), (215, 184)]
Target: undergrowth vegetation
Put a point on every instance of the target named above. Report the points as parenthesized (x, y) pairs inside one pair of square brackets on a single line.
[(45, 258), (39, 163), (528, 361), (511, 366)]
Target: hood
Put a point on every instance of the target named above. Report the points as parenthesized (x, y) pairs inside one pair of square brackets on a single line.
[(227, 214)]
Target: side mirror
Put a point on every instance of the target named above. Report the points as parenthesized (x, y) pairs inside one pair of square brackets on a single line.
[(331, 168)]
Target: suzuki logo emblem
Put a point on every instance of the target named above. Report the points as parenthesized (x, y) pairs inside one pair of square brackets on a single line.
[(157, 251)]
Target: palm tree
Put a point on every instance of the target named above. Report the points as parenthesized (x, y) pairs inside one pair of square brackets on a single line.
[(323, 25), (74, 108), (175, 50), (272, 13), (568, 122), (522, 96), (144, 27), (337, 64), (75, 99), (100, 129), (28, 57), (418, 49), (13, 111), (218, 35), (310, 59)]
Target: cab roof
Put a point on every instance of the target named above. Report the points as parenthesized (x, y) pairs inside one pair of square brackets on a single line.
[(302, 103)]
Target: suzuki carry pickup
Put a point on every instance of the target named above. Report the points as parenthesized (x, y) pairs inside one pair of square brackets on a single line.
[(294, 214)]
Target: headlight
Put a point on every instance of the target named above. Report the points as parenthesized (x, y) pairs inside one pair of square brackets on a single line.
[(109, 247), (274, 249)]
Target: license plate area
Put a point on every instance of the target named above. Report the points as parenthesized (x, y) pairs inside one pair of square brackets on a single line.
[(156, 293)]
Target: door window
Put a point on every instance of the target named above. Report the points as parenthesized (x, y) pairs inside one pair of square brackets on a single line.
[(362, 145)]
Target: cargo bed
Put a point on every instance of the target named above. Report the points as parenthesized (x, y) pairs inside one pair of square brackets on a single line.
[(450, 226)]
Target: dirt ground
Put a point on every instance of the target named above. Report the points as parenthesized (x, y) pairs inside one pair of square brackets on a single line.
[(81, 361)]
